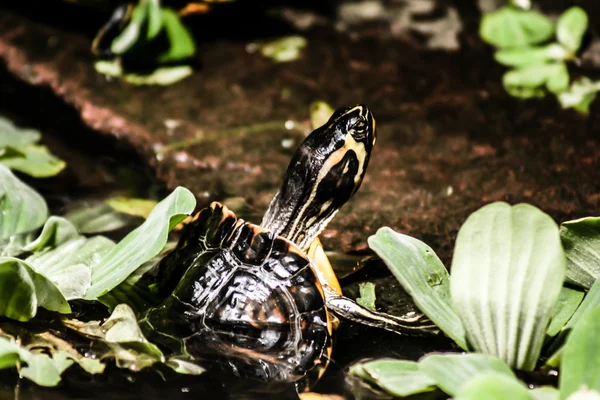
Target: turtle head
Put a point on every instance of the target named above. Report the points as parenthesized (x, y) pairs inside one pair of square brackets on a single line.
[(327, 169)]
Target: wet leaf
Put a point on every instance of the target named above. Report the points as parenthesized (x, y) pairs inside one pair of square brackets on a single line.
[(580, 365), (367, 295), (142, 244), (507, 273), (452, 371), (511, 27), (320, 112), (184, 366), (22, 291), (422, 274), (493, 387), (522, 56), (571, 27), (39, 368), (96, 218), (568, 302), (132, 206), (181, 43), (581, 241), (397, 377), (22, 209)]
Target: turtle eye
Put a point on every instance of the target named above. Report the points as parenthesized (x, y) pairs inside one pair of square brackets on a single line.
[(358, 129)]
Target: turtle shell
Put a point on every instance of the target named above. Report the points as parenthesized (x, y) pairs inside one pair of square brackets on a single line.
[(247, 295)]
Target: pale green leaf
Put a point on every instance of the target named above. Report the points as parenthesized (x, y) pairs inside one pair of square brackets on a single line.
[(155, 19), (284, 49), (22, 291), (39, 368), (585, 394), (581, 241), (507, 273), (184, 366), (452, 371), (571, 27), (580, 365), (38, 162), (96, 218), (367, 295), (22, 209), (530, 80), (544, 393), (55, 232), (160, 76), (142, 244), (522, 56), (422, 274), (130, 35), (181, 42), (580, 95), (397, 377), (511, 27), (493, 387), (13, 136), (132, 206), (568, 301), (320, 112)]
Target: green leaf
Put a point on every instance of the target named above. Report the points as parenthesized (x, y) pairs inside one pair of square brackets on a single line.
[(367, 295), (55, 232), (96, 218), (160, 76), (22, 291), (511, 27), (131, 34), (493, 387), (568, 301), (155, 19), (12, 136), (544, 393), (142, 244), (530, 80), (320, 112), (580, 95), (284, 49), (22, 209), (452, 371), (580, 365), (589, 303), (38, 162), (397, 377), (132, 206), (422, 274), (522, 56), (581, 241), (39, 368), (507, 273), (571, 27), (181, 42), (184, 366)]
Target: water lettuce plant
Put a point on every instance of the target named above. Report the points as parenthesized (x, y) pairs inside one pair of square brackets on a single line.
[(504, 303), (537, 64), (149, 26), (45, 262)]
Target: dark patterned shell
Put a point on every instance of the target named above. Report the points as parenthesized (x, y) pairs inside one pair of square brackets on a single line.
[(247, 294)]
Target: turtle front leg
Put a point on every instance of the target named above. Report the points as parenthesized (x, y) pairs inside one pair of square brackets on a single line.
[(411, 324)]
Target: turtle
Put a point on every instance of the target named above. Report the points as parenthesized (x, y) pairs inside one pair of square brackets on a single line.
[(262, 296)]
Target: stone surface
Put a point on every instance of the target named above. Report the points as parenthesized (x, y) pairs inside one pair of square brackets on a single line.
[(449, 138)]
